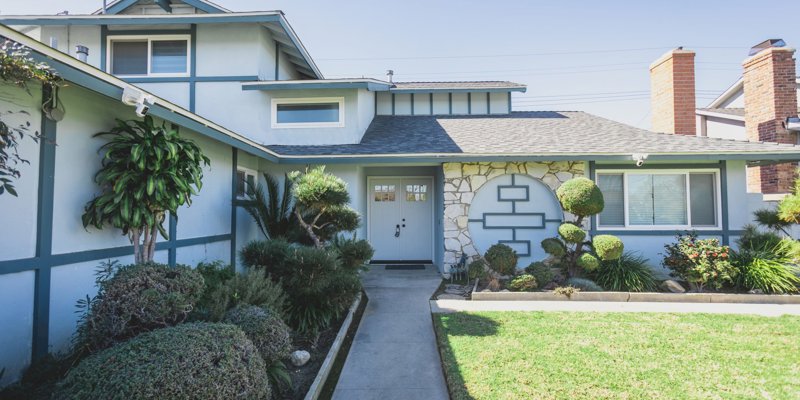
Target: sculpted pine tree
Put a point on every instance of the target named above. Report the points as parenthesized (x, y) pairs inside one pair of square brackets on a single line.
[(321, 205)]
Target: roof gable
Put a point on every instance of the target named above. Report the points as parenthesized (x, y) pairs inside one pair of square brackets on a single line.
[(200, 6)]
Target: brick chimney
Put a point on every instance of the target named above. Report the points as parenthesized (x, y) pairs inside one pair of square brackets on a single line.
[(770, 96), (672, 95)]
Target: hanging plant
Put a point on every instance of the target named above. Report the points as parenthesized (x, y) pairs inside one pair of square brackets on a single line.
[(147, 171), (19, 69)]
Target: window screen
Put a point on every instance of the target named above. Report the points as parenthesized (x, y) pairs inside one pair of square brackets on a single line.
[(613, 213), (702, 192), (168, 56), (657, 199), (129, 58), (308, 113)]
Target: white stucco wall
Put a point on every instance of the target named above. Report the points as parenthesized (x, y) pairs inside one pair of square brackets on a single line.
[(70, 36), (725, 128), (16, 312), (230, 49)]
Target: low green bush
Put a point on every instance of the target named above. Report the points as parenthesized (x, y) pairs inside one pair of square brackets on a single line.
[(502, 259), (541, 272), (269, 334), (768, 267), (136, 299), (588, 262), (253, 288), (584, 285), (607, 247), (189, 361), (554, 247), (353, 253), (571, 233), (478, 269), (701, 262), (629, 273), (272, 256), (523, 283)]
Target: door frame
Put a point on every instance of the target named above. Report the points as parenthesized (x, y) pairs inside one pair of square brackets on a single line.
[(432, 193)]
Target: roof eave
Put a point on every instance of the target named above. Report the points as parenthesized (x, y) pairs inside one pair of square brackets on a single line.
[(521, 89), (708, 113), (370, 85)]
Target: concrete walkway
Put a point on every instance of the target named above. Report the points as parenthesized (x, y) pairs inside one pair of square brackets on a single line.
[(770, 310), (394, 354)]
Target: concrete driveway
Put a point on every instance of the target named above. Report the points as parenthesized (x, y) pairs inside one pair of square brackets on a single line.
[(394, 353)]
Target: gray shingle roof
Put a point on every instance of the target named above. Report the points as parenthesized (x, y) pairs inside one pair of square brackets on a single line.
[(477, 85), (539, 133)]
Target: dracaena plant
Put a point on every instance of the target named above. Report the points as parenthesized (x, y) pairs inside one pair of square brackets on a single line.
[(147, 171)]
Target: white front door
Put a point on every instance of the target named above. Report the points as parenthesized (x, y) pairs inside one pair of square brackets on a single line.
[(401, 218)]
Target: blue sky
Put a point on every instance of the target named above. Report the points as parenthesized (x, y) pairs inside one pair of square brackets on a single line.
[(573, 55)]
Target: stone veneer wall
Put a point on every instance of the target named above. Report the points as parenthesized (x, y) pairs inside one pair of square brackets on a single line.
[(462, 180)]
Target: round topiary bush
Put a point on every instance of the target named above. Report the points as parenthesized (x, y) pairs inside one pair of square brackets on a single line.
[(477, 269), (571, 233), (541, 272), (139, 298), (554, 247), (608, 247), (502, 259), (523, 283), (190, 361), (588, 262), (265, 329), (581, 197)]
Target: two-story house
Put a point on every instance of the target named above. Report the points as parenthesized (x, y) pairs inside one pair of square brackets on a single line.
[(436, 169)]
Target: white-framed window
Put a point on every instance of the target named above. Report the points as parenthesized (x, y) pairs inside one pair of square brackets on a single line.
[(245, 179), (160, 56), (660, 199), (312, 112)]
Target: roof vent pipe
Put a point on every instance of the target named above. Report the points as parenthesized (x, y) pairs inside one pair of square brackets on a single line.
[(389, 75), (82, 52)]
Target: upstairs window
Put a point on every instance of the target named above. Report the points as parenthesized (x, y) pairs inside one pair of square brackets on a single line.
[(245, 181), (327, 112), (149, 56)]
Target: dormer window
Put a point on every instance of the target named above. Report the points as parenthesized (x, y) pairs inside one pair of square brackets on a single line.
[(149, 56), (315, 112)]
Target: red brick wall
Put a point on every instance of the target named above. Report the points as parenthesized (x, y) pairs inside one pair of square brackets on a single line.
[(673, 94), (770, 96)]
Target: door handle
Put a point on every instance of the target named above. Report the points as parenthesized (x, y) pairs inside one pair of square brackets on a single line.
[(397, 231)]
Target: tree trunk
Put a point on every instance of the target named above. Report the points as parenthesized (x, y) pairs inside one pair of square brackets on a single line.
[(134, 236), (153, 240), (309, 229)]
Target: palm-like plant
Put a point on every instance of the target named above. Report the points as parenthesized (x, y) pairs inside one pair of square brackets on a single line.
[(271, 208), (147, 171)]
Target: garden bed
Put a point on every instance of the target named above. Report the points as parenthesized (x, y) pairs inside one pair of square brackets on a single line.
[(640, 297)]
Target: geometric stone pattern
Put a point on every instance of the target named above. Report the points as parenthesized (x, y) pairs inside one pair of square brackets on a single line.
[(462, 180)]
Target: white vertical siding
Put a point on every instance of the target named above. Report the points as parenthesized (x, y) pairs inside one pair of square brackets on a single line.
[(499, 103), (384, 103), (441, 103), (402, 104), (460, 105), (479, 103), (422, 104)]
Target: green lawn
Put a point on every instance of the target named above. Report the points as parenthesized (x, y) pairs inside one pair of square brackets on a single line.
[(561, 355)]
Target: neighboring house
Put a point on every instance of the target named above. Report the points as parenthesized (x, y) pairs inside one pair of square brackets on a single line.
[(755, 108), (436, 169)]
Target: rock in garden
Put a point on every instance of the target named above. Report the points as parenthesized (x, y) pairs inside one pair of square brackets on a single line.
[(300, 358), (673, 286), (504, 291), (448, 296), (756, 291)]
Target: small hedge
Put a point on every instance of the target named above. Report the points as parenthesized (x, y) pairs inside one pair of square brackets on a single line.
[(554, 247), (189, 361), (138, 298), (541, 272), (254, 288), (502, 259), (588, 262), (523, 283), (571, 233), (608, 247), (265, 329)]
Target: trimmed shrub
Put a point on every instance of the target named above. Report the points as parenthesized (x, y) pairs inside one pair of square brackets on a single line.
[(523, 283), (272, 256), (607, 247), (541, 272), (768, 267), (189, 361), (478, 269), (319, 289), (629, 273), (581, 197), (137, 299), (588, 262), (265, 329), (571, 233), (502, 259), (584, 285), (701, 262), (353, 253), (554, 247), (254, 288)]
